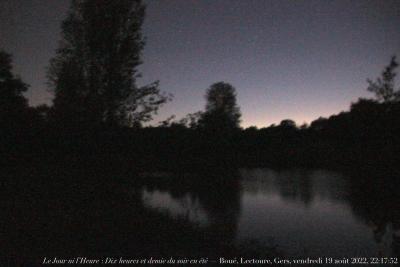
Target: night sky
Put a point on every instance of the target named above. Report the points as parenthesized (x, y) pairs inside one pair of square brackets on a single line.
[(287, 59)]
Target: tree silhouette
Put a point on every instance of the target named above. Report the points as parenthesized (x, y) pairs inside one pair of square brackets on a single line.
[(287, 123), (13, 105), (94, 71), (384, 87), (222, 112), (191, 120)]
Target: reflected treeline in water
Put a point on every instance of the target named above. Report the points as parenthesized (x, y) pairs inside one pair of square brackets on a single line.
[(294, 189), (72, 208), (69, 207), (302, 212), (375, 199), (215, 191), (296, 185)]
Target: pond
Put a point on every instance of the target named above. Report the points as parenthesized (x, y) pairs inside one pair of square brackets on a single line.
[(316, 213)]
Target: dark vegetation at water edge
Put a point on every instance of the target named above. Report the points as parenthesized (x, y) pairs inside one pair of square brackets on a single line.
[(367, 135), (70, 208)]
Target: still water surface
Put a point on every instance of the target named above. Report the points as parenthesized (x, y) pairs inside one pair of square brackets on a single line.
[(301, 212)]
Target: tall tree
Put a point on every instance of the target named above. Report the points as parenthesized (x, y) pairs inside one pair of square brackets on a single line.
[(222, 112), (384, 87), (95, 69), (13, 105)]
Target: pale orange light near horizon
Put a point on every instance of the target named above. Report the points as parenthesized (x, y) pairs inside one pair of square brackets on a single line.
[(266, 123), (300, 118)]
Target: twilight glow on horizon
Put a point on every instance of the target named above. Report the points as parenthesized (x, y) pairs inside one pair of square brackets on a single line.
[(287, 59)]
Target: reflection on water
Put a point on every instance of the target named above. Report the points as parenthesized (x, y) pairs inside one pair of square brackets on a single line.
[(304, 213), (186, 206)]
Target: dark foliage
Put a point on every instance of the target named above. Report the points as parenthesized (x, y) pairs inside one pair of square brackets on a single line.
[(13, 105), (19, 123), (95, 70), (384, 87), (222, 113)]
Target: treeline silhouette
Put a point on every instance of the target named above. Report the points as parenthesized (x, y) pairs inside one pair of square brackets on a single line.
[(368, 134)]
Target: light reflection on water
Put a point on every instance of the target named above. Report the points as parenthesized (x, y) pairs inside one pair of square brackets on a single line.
[(314, 213), (185, 206)]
